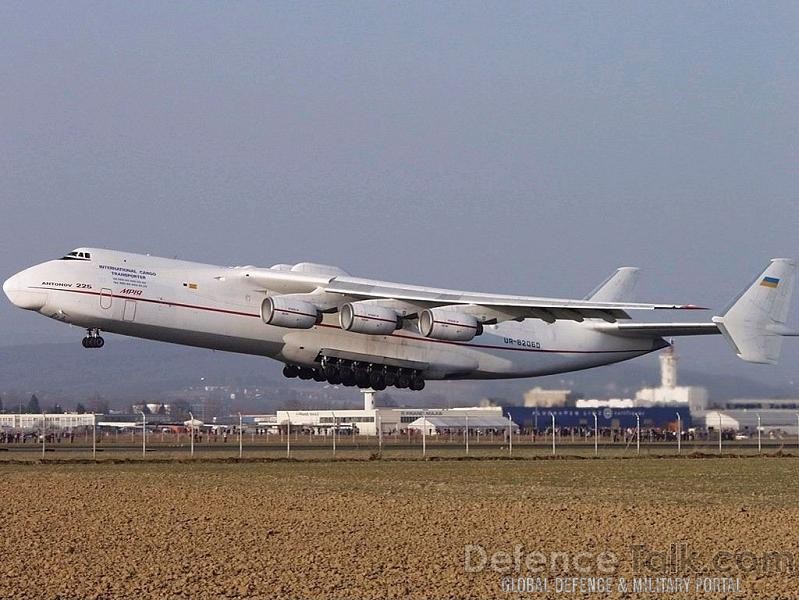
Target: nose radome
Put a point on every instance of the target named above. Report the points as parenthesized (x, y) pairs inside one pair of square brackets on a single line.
[(21, 296), (9, 285)]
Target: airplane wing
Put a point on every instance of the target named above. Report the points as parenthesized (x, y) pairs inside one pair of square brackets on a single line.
[(652, 330), (547, 309), (331, 292)]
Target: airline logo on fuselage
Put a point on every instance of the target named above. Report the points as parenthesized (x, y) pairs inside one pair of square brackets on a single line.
[(128, 277), (56, 284)]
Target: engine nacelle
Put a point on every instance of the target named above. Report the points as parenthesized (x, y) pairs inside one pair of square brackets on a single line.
[(362, 317), (285, 311), (446, 324)]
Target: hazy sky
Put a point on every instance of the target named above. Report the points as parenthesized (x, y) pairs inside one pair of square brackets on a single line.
[(509, 147)]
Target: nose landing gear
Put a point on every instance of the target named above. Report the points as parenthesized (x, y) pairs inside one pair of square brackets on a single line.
[(93, 339)]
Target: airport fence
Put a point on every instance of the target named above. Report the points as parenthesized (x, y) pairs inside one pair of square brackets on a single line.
[(304, 444)]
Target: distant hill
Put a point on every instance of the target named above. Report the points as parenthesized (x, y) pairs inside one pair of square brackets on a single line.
[(125, 370)]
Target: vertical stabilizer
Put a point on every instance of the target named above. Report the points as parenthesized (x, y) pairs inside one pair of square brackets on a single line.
[(755, 322), (619, 287)]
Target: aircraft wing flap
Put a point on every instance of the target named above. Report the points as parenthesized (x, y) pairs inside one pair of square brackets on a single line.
[(653, 330)]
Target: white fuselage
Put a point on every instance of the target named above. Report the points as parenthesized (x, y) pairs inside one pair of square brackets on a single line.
[(215, 307)]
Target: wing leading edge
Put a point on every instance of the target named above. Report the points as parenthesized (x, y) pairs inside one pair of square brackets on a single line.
[(548, 309)]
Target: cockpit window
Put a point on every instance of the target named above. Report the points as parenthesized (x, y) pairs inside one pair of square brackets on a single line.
[(76, 255)]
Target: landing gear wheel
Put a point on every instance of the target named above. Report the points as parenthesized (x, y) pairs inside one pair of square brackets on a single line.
[(417, 384), (346, 376), (93, 340), (362, 378), (403, 380), (332, 375), (290, 371), (376, 379)]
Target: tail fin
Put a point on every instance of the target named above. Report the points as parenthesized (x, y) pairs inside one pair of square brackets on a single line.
[(619, 287), (755, 321)]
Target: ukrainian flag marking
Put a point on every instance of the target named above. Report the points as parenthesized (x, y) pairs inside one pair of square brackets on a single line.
[(770, 282)]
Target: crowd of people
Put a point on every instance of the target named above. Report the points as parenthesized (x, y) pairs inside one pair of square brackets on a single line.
[(27, 437)]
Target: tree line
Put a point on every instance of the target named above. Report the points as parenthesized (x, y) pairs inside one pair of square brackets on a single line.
[(34, 406)]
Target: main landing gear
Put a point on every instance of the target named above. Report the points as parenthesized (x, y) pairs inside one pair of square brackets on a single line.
[(364, 375), (93, 339)]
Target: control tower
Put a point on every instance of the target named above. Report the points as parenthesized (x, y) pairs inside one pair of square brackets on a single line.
[(669, 393), (668, 367)]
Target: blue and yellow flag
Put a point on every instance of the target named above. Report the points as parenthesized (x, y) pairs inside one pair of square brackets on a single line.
[(771, 282)]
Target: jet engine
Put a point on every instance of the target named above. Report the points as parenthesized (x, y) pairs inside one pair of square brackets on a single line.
[(446, 324), (285, 311), (362, 317)]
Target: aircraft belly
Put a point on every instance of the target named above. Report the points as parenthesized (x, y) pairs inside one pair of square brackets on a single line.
[(534, 348)]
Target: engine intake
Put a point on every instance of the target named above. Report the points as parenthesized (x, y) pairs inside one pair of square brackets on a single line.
[(445, 324), (284, 311), (361, 317)]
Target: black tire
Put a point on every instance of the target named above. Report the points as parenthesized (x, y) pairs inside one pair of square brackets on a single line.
[(362, 378), (417, 384), (376, 379), (305, 373), (403, 381), (290, 371), (319, 376), (85, 342), (332, 375), (100, 342)]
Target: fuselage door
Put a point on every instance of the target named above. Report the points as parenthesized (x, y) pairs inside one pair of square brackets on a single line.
[(105, 298), (129, 313)]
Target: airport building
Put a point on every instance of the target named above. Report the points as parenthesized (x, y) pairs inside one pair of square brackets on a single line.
[(658, 407), (541, 397), (371, 419), (657, 417), (693, 399), (772, 420), (669, 393), (455, 421), (51, 421)]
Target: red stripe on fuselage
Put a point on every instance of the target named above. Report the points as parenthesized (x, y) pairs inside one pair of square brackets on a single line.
[(394, 334)]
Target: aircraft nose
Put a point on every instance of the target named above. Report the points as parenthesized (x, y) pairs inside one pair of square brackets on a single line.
[(20, 296), (10, 286)]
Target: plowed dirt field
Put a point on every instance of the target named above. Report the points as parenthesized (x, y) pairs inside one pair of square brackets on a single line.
[(404, 529)]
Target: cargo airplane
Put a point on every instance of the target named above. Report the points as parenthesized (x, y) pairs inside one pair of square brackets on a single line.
[(326, 325)]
